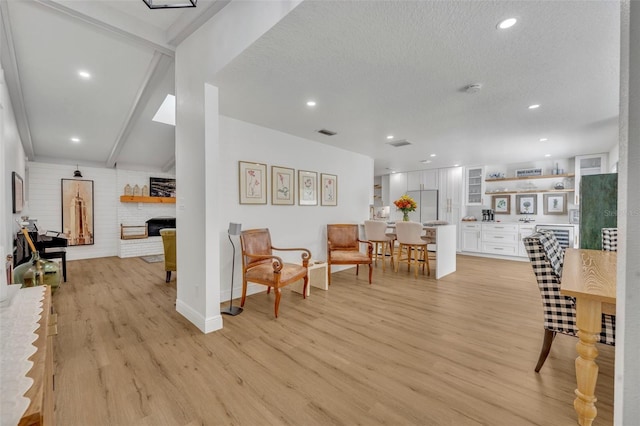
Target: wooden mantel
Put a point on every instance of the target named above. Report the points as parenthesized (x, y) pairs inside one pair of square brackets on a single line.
[(139, 199)]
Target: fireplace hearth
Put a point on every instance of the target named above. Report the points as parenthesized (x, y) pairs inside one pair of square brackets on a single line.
[(155, 224)]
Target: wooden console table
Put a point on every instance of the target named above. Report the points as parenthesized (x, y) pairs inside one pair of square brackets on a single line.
[(590, 277)]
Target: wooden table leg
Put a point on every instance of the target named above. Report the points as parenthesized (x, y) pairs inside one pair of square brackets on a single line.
[(589, 322)]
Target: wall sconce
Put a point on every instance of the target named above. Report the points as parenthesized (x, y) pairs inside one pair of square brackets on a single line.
[(169, 4), (77, 172)]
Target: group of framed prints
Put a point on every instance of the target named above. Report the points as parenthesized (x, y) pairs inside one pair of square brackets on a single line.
[(527, 204), (284, 186)]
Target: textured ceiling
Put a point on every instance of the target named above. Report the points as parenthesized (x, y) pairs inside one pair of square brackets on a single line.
[(374, 67), (380, 68)]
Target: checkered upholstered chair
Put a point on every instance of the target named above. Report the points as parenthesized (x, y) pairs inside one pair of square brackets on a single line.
[(610, 239), (547, 259)]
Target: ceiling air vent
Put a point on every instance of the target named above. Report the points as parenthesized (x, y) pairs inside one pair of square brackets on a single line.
[(327, 132), (401, 142)]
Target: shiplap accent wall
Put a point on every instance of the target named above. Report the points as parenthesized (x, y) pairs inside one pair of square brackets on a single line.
[(108, 184)]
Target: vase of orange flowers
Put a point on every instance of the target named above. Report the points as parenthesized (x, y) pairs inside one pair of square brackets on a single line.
[(405, 204)]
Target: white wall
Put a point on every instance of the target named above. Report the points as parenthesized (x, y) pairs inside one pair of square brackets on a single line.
[(290, 226)]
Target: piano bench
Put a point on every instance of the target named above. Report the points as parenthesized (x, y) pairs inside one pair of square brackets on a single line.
[(55, 254)]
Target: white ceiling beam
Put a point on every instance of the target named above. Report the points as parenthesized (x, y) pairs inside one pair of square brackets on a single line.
[(171, 164), (183, 27), (97, 15), (157, 69), (14, 85)]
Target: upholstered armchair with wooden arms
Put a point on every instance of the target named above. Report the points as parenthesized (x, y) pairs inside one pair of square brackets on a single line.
[(547, 259), (343, 248), (261, 266)]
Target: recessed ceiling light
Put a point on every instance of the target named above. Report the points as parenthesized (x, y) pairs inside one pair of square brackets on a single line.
[(543, 139), (547, 155), (456, 165), (390, 137), (534, 106), (432, 155), (84, 74), (507, 23), (393, 171), (311, 103), (74, 139)]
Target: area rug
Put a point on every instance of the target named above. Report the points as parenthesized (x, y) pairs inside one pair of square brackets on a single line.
[(153, 259)]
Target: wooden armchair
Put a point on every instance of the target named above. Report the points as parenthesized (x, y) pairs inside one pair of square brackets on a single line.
[(259, 265), (343, 248)]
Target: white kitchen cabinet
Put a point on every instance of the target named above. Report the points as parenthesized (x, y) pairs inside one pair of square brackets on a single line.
[(397, 188), (474, 186), (450, 197), (594, 164), (500, 238), (422, 179), (524, 230), (471, 237)]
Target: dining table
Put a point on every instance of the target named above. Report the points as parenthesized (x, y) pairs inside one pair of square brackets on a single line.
[(590, 277)]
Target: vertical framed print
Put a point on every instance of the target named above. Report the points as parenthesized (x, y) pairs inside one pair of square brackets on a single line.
[(17, 191), (555, 203), (501, 204), (253, 182), (77, 211), (526, 204), (282, 186), (328, 190), (307, 188)]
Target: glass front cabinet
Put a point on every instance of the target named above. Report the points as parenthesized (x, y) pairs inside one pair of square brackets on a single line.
[(474, 185)]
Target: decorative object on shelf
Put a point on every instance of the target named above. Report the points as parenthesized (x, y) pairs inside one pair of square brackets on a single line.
[(17, 192), (282, 186), (528, 172), (128, 190), (495, 175), (162, 187), (501, 204), (234, 229), (77, 211), (405, 204), (253, 182), (145, 191), (526, 204), (136, 191), (307, 188), (555, 203), (328, 190), (558, 185)]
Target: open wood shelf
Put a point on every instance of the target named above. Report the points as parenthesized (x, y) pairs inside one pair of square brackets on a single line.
[(139, 199), (529, 191), (566, 175)]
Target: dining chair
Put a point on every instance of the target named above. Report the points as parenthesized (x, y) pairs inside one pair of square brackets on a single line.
[(169, 244), (343, 248), (409, 236), (547, 258), (376, 232), (610, 239), (261, 266)]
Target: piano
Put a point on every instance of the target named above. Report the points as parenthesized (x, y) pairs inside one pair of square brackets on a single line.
[(48, 246)]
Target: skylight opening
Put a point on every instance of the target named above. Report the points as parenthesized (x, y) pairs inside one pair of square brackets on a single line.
[(167, 112)]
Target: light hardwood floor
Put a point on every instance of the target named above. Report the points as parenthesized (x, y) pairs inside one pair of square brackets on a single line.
[(403, 351)]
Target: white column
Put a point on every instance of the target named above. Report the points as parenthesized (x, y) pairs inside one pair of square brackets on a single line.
[(627, 367)]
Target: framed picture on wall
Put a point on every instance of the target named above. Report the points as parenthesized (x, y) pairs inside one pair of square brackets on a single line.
[(526, 204), (555, 203), (17, 191), (77, 211), (161, 187), (282, 186), (307, 188), (328, 190), (501, 204), (253, 182)]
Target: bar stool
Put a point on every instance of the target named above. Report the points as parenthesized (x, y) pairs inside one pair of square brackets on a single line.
[(375, 231), (410, 237)]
